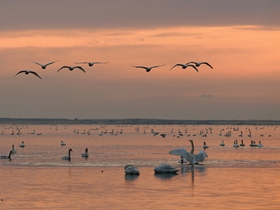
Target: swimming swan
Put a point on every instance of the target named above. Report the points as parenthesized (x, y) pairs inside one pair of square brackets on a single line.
[(7, 156), (69, 155), (22, 144), (205, 146), (222, 143), (13, 149), (62, 143), (131, 169), (165, 168), (85, 155), (190, 157)]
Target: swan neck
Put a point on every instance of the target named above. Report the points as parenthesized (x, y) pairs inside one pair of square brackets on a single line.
[(192, 147)]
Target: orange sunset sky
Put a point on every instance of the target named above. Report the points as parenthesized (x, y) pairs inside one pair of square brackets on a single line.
[(240, 39)]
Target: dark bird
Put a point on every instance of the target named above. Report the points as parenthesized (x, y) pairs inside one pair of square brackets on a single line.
[(147, 68), (184, 66), (27, 72), (91, 63), (71, 68), (197, 64), (45, 65)]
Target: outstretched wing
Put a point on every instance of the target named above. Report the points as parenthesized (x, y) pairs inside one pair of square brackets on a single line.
[(178, 64), (37, 63), (200, 157), (180, 152), (192, 66), (63, 68), (81, 62), (51, 62), (33, 72), (143, 67), (19, 72), (79, 67), (207, 64), (157, 66)]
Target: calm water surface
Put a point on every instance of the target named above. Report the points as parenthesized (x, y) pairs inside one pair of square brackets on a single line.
[(231, 178)]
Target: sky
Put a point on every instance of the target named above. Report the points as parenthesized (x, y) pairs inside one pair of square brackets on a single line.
[(240, 39)]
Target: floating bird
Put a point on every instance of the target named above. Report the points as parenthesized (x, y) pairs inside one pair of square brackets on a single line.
[(71, 68), (184, 66), (85, 155), (69, 155), (131, 169), (197, 64), (22, 144), (260, 144), (27, 72), (165, 168), (222, 143), (190, 157), (242, 144), (62, 143), (235, 143), (91, 63), (205, 146), (45, 65), (13, 149), (148, 68), (7, 156)]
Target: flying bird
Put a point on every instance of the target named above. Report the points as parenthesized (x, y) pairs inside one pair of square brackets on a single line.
[(27, 72), (197, 64), (184, 66), (45, 65), (71, 68), (91, 63), (148, 68)]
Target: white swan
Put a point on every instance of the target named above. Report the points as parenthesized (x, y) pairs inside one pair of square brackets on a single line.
[(148, 68), (62, 143), (91, 63), (235, 144), (190, 157), (85, 155), (28, 72), (184, 66), (222, 143), (131, 169), (13, 149), (197, 64), (43, 66), (7, 156), (71, 68), (165, 168), (69, 155), (205, 146), (22, 144)]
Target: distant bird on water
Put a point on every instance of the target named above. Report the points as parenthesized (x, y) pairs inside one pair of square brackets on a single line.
[(197, 64), (71, 68), (27, 72), (91, 63), (43, 66), (148, 68), (184, 66)]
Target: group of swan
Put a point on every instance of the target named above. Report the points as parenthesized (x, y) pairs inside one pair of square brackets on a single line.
[(68, 157), (161, 168), (71, 68)]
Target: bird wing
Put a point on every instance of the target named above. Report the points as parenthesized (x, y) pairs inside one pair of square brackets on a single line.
[(180, 152), (33, 72), (81, 62), (192, 66), (20, 72), (51, 62), (200, 157), (37, 63), (79, 67), (63, 68), (207, 64), (178, 64), (192, 62), (143, 67), (157, 66)]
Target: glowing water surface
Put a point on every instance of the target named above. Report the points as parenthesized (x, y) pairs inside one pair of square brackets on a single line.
[(231, 178)]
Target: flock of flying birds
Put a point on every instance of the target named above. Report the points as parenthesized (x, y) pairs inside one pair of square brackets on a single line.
[(191, 64)]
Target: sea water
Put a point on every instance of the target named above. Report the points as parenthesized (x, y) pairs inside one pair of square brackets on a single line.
[(230, 178)]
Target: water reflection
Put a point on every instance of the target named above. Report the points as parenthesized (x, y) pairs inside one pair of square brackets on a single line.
[(131, 177), (164, 175)]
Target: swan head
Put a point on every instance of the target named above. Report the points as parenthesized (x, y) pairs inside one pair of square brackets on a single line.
[(70, 150)]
